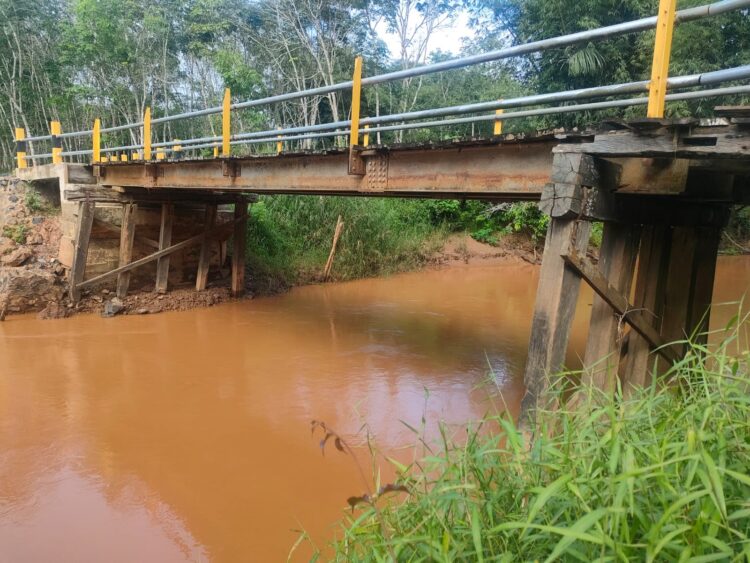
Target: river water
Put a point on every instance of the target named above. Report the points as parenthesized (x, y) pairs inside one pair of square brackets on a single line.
[(186, 436)]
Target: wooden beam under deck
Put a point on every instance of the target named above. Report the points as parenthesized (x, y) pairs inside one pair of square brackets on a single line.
[(515, 171)]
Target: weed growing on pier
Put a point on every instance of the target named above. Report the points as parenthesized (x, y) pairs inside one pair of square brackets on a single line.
[(660, 475)]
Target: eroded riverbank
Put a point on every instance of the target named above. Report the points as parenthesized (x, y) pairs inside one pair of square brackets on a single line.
[(186, 435)]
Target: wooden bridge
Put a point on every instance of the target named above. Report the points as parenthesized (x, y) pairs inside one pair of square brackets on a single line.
[(663, 189)]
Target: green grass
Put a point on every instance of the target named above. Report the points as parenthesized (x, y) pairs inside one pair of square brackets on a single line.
[(16, 232), (289, 238), (659, 476)]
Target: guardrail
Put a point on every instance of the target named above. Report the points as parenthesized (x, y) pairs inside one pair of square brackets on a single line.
[(657, 88)]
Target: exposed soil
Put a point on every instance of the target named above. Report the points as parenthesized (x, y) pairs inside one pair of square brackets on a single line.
[(461, 248)]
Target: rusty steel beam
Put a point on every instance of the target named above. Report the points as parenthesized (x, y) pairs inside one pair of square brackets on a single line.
[(517, 171)]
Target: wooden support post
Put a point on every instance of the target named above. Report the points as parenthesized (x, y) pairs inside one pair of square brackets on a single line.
[(649, 293), (204, 259), (165, 241), (702, 286), (127, 235), (619, 302), (81, 251), (556, 299), (238, 248), (219, 232), (617, 263), (677, 289)]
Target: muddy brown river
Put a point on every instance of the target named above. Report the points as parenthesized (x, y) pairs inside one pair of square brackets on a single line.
[(186, 436)]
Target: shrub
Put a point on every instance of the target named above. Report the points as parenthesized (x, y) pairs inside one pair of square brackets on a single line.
[(289, 237), (16, 232)]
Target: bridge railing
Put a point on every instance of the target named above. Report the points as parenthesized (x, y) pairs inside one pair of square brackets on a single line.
[(357, 127)]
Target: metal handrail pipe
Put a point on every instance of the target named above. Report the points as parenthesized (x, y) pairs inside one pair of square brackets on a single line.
[(643, 24), (75, 134), (196, 113), (535, 99), (124, 148), (78, 153), (38, 138), (122, 127), (184, 141), (729, 90)]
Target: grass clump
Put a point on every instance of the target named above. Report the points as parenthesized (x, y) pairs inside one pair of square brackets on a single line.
[(289, 237), (661, 475), (17, 232)]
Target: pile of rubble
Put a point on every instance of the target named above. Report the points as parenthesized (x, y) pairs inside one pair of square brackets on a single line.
[(31, 278)]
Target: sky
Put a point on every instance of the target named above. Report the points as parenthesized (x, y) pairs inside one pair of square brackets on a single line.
[(446, 39)]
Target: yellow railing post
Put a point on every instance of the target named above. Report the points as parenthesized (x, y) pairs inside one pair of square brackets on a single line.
[(657, 88), (96, 141), (279, 144), (356, 99), (55, 130), (498, 129), (20, 147), (216, 152), (366, 137), (147, 134), (226, 124)]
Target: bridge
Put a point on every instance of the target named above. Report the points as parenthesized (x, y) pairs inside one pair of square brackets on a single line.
[(662, 187)]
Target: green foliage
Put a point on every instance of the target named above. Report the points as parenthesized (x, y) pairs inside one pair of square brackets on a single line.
[(660, 475), (524, 217), (289, 237), (486, 222), (17, 233), (737, 233), (33, 202)]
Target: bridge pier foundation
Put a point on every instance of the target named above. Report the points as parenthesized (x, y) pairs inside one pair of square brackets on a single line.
[(214, 233), (653, 278)]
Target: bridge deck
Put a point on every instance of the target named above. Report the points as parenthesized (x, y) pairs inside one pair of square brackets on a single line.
[(498, 168)]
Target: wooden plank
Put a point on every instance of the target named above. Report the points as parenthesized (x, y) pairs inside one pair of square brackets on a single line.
[(649, 292), (576, 169), (127, 235), (221, 231), (620, 304), (617, 263), (556, 297), (732, 111), (204, 259), (239, 245), (165, 240), (117, 194), (702, 286), (677, 290), (84, 222)]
